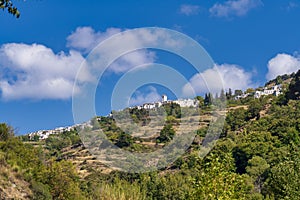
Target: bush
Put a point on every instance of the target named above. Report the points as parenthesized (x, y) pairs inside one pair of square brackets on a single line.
[(40, 191), (166, 134)]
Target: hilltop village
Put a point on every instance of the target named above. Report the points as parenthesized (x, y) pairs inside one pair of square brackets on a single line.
[(164, 100), (274, 90)]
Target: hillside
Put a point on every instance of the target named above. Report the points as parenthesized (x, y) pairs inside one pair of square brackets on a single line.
[(12, 185), (256, 157)]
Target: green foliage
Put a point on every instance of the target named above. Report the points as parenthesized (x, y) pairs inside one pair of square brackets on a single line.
[(284, 180), (257, 158), (280, 79), (124, 140), (200, 100), (256, 169), (172, 109), (57, 142), (219, 181), (250, 90), (116, 189), (201, 132), (255, 107), (6, 132), (294, 88), (166, 134), (63, 181), (40, 191), (236, 119), (238, 92), (172, 120), (8, 5), (208, 99), (140, 115), (168, 186)]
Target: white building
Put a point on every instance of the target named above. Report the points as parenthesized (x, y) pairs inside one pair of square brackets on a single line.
[(164, 98), (181, 102), (275, 90), (44, 134), (187, 102), (241, 96), (149, 106)]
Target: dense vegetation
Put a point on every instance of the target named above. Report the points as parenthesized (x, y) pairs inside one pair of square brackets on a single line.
[(257, 157)]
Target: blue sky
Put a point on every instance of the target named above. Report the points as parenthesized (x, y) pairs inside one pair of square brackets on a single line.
[(250, 41)]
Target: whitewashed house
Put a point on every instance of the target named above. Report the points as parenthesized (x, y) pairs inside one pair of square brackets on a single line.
[(275, 90), (187, 102)]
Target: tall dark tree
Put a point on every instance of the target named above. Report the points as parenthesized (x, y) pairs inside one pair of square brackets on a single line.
[(208, 99), (229, 94), (216, 96), (222, 95)]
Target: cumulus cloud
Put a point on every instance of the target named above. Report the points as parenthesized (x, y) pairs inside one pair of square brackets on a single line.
[(36, 72), (233, 8), (282, 64), (219, 77), (140, 98), (188, 10), (86, 38), (130, 60)]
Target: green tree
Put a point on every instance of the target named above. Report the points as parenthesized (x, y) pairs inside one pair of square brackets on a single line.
[(294, 88), (235, 119), (284, 180), (63, 181), (257, 167), (124, 140), (278, 80), (222, 95), (208, 99), (218, 181), (238, 92), (6, 132), (166, 134), (254, 108), (172, 109), (40, 191), (250, 90), (229, 94), (200, 100)]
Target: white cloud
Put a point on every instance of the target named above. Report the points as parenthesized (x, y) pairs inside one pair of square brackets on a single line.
[(86, 38), (188, 10), (140, 98), (234, 8), (220, 76), (291, 5), (282, 64), (130, 60), (36, 72)]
